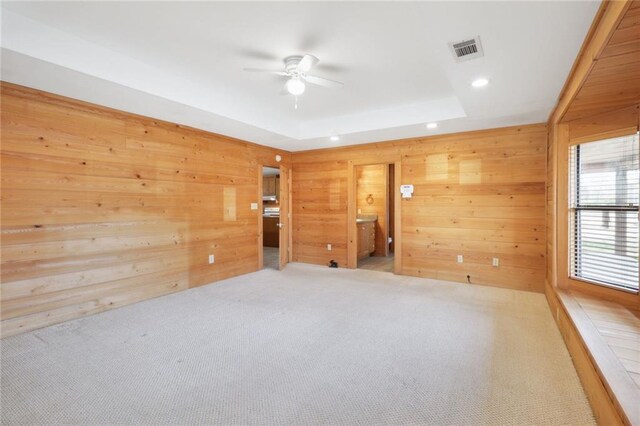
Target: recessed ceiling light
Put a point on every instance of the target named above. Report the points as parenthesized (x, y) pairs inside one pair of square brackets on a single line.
[(335, 138), (480, 82), (432, 125)]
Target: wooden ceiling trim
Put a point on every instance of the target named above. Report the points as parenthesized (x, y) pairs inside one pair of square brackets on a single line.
[(608, 18), (614, 80), (632, 17), (612, 124)]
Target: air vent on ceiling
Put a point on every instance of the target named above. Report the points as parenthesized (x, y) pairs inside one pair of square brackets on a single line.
[(467, 49)]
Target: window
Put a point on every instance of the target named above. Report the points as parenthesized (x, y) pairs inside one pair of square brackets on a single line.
[(603, 199)]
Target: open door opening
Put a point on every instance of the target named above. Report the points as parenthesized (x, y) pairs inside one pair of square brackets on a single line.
[(270, 217), (275, 206), (375, 216)]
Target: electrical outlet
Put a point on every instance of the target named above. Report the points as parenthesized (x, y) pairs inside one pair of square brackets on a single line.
[(329, 247), (359, 211), (460, 258), (212, 259), (254, 206), (496, 262)]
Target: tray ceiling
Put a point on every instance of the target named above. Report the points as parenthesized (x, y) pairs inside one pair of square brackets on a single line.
[(182, 62)]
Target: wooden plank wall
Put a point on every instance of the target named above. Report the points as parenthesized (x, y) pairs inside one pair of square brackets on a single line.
[(480, 194), (102, 208), (551, 204), (599, 100), (372, 180)]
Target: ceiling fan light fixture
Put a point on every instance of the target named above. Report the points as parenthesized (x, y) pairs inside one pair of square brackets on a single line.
[(295, 86)]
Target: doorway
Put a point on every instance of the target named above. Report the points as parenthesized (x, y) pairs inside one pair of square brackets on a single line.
[(274, 234), (375, 218), (270, 217)]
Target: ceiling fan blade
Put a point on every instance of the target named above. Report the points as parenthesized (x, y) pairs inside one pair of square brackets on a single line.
[(265, 71), (306, 63), (323, 81)]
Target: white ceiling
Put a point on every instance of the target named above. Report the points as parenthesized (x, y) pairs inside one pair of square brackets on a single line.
[(182, 62)]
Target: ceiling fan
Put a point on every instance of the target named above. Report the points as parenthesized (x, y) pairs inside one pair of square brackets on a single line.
[(296, 69)]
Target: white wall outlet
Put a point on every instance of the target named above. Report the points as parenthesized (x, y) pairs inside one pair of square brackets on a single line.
[(254, 206), (359, 211), (329, 247), (212, 259), (496, 262), (460, 258)]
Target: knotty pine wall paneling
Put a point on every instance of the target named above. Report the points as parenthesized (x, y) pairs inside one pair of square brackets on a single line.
[(480, 194), (319, 191), (600, 99), (102, 208)]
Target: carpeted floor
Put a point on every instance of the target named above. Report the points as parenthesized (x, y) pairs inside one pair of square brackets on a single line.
[(309, 345)]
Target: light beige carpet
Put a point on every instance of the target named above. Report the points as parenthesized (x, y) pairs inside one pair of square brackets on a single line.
[(309, 345)]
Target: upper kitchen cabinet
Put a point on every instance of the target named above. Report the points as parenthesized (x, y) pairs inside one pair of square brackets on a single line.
[(271, 186)]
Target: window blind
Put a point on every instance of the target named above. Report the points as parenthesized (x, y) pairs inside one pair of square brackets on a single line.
[(604, 195)]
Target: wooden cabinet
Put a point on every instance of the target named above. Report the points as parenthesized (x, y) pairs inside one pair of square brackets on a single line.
[(268, 185), (271, 232), (366, 239), (271, 185)]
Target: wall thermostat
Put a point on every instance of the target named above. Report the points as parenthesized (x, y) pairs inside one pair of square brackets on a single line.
[(406, 191)]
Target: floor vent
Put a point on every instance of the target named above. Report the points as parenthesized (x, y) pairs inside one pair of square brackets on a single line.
[(467, 49)]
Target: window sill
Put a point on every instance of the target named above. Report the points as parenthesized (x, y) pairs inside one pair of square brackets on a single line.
[(608, 286), (585, 313)]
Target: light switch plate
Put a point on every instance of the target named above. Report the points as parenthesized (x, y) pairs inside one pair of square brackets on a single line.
[(254, 206), (460, 258), (212, 259)]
